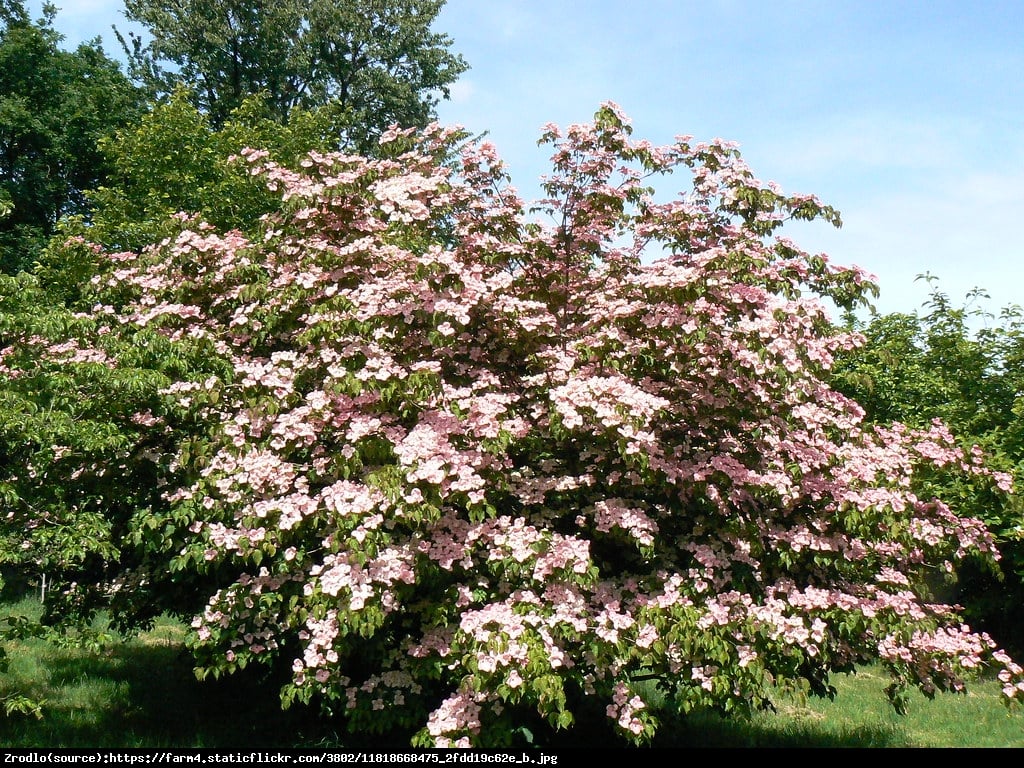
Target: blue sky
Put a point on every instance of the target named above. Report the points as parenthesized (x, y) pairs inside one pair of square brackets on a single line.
[(907, 116)]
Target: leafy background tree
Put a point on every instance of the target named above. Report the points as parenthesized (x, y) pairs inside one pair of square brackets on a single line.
[(55, 106), (963, 365), (175, 160), (376, 61), (78, 462)]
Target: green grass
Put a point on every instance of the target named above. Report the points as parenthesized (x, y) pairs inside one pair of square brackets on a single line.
[(861, 716), (142, 693)]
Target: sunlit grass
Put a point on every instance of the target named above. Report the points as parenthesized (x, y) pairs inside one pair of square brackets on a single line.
[(143, 693), (861, 716)]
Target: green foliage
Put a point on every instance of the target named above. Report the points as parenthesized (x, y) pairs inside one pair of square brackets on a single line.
[(80, 460), (18, 704), (964, 366), (174, 160), (55, 105), (378, 62)]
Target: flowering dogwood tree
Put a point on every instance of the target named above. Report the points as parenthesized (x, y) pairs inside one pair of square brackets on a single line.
[(458, 461)]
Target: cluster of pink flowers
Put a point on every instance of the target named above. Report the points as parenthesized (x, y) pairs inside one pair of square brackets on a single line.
[(459, 713), (615, 513), (625, 708), (72, 352)]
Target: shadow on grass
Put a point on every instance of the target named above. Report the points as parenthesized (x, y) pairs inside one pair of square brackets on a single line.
[(708, 730)]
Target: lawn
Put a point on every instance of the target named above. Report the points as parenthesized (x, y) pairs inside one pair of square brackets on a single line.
[(142, 693)]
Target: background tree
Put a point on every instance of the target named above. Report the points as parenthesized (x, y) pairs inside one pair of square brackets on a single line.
[(964, 366), (377, 60), (55, 106), (174, 160)]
